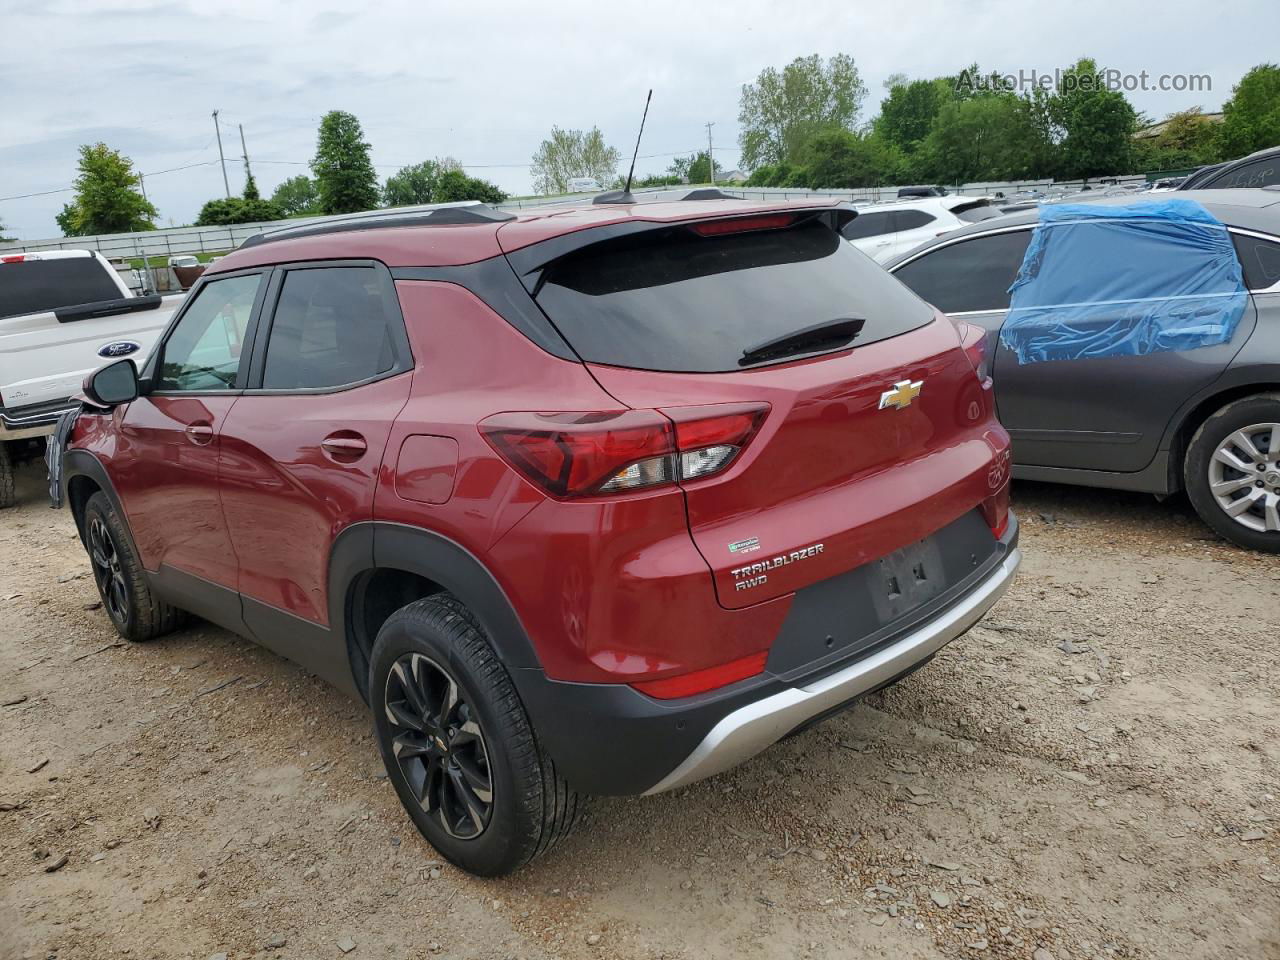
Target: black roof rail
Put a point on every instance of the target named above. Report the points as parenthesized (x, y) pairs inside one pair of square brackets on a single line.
[(441, 216)]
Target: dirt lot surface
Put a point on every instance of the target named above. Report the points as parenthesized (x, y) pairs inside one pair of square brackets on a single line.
[(1094, 772)]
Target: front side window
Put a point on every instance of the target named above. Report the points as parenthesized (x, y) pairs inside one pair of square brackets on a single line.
[(203, 351), (332, 328), (968, 276)]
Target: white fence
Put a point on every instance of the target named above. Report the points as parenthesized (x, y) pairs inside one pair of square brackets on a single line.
[(177, 240)]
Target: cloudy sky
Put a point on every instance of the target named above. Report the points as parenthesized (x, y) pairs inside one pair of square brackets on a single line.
[(484, 81)]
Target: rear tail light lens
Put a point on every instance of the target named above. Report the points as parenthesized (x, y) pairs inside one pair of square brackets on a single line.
[(611, 452), (700, 681), (13, 258)]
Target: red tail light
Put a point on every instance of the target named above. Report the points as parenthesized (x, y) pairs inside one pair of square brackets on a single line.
[(718, 228), (610, 452), (13, 258), (700, 681)]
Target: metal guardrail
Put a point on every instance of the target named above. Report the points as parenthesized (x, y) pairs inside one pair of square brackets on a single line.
[(171, 241)]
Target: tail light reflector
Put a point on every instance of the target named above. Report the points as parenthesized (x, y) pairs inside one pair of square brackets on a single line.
[(602, 453), (13, 258), (700, 681)]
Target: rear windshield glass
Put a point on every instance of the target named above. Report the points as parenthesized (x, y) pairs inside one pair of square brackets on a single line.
[(673, 300), (36, 286)]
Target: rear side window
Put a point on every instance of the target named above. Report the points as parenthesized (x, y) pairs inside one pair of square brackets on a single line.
[(37, 286), (1259, 261), (869, 225), (673, 300), (332, 328), (911, 219), (970, 275)]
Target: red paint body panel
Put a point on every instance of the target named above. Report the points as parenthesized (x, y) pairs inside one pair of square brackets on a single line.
[(828, 466), (425, 469), (607, 589), (286, 498), (168, 484)]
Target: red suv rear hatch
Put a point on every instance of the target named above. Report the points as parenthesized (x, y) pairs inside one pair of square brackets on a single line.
[(877, 432)]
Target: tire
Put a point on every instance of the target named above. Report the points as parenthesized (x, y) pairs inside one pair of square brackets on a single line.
[(486, 735), (7, 497), (1241, 435), (122, 584)]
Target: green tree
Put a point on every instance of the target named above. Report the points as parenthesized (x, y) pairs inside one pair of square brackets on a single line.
[(1251, 118), (344, 173), (843, 159), (297, 196), (694, 169), (222, 212), (106, 196), (418, 182), (983, 138), (454, 185), (251, 187), (1188, 139), (783, 109), (3, 238), (1096, 124), (908, 112), (572, 153)]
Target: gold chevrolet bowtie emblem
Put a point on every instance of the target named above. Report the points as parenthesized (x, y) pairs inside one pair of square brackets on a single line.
[(903, 392)]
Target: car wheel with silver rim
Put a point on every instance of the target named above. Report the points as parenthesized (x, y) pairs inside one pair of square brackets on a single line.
[(1232, 472), (457, 744)]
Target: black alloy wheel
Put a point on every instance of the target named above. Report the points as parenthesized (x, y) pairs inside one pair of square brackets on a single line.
[(108, 571), (439, 746)]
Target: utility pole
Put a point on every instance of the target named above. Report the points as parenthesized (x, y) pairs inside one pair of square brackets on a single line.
[(226, 185), (244, 152), (142, 182), (711, 157)]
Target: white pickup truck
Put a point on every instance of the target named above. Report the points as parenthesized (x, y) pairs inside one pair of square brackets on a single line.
[(63, 314)]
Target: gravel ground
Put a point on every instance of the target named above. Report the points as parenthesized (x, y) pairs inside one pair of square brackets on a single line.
[(1093, 772)]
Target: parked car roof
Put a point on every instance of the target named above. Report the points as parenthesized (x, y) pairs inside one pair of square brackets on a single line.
[(1250, 209)]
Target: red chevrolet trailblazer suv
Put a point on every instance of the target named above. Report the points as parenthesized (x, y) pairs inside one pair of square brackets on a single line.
[(593, 499)]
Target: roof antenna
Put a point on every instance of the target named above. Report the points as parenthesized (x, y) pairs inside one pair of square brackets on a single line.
[(624, 195)]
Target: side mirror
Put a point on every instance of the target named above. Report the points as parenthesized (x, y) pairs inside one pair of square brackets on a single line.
[(112, 385)]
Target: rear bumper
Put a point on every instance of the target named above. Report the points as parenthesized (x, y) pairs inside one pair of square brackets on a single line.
[(37, 420), (748, 730), (608, 738)]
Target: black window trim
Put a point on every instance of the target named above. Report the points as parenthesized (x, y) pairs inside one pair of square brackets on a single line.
[(952, 241), (262, 331), (150, 372)]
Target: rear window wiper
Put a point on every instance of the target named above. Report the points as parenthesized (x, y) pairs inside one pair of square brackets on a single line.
[(829, 335)]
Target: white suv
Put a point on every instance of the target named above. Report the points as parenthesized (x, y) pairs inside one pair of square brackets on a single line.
[(884, 230)]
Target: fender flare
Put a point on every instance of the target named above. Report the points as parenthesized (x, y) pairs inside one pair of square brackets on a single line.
[(369, 546), (82, 463)]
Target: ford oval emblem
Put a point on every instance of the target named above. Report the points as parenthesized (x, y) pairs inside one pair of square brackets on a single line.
[(119, 348)]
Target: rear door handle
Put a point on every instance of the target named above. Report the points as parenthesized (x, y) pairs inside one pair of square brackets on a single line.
[(200, 433), (346, 446)]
